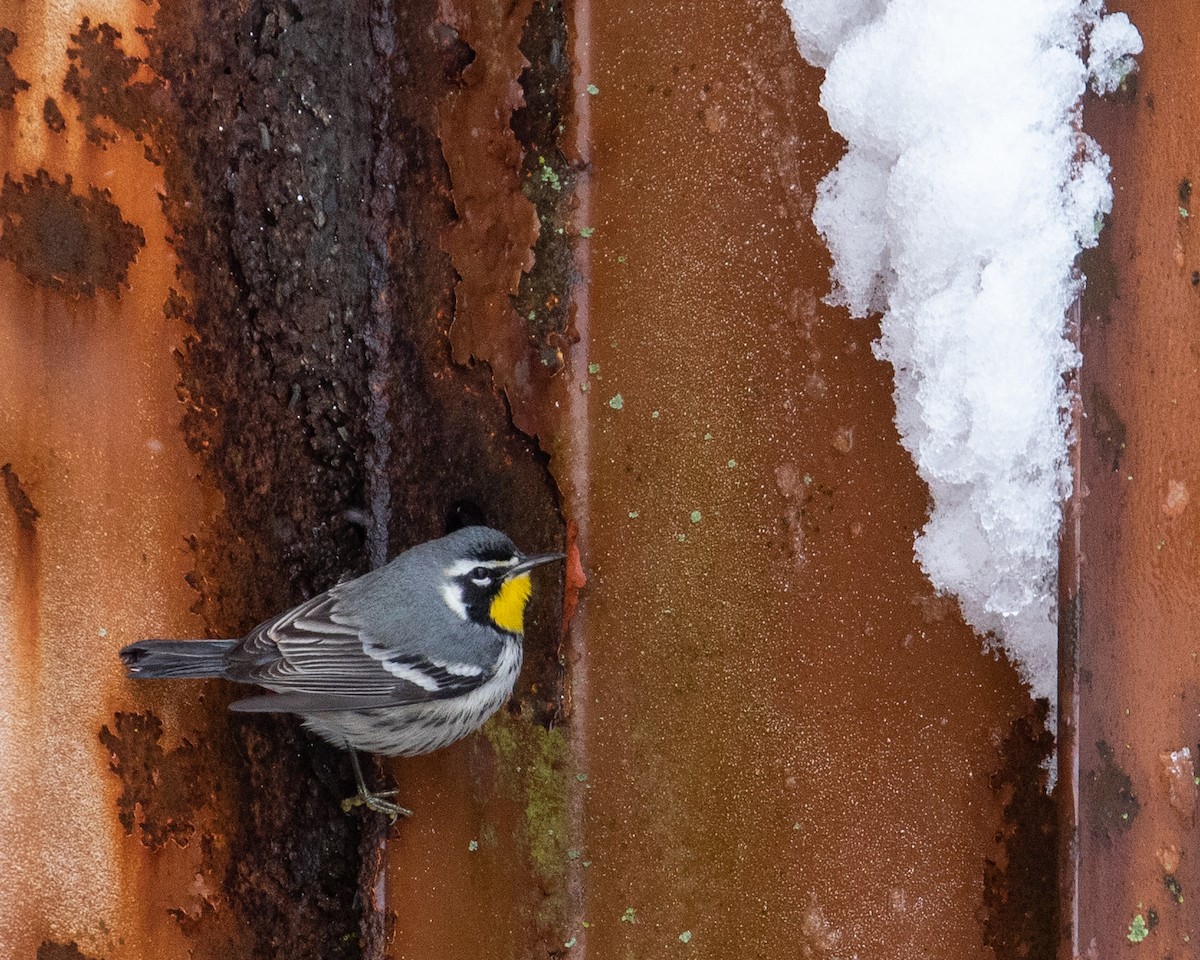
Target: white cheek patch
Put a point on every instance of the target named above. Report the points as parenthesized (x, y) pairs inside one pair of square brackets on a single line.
[(410, 674), (452, 594)]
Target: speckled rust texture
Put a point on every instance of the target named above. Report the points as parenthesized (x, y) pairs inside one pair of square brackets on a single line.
[(1133, 669)]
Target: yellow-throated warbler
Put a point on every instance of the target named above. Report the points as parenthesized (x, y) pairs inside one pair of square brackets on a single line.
[(401, 661)]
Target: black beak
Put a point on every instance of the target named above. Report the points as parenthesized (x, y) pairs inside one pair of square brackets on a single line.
[(526, 564)]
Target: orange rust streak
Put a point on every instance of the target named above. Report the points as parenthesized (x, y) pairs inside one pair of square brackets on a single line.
[(1138, 601)]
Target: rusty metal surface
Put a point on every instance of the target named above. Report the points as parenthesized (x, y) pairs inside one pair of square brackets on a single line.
[(291, 335), (762, 733), (791, 746), (1138, 674)]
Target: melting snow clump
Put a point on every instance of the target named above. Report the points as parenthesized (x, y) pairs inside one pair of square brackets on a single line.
[(964, 198), (1112, 46)]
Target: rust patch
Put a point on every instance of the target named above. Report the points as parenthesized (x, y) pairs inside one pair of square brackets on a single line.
[(28, 568), (53, 950), (1020, 888), (101, 79), (294, 873), (61, 240), (1107, 794), (492, 242), (53, 116), (161, 789), (10, 83)]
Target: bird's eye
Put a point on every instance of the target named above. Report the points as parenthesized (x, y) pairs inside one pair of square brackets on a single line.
[(481, 575)]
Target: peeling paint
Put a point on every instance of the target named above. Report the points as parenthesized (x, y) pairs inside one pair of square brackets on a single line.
[(492, 241)]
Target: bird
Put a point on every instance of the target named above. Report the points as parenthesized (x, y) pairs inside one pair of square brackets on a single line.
[(400, 661)]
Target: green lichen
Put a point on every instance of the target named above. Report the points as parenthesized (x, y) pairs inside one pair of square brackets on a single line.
[(534, 766), (1138, 931)]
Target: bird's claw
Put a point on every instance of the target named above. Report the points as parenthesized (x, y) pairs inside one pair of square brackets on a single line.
[(377, 803)]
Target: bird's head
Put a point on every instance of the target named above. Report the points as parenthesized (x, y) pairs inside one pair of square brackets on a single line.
[(485, 578)]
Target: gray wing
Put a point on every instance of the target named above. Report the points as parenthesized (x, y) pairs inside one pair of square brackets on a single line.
[(316, 658)]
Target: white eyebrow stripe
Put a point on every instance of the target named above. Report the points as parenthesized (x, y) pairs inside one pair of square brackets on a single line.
[(411, 674), (452, 594), (459, 567)]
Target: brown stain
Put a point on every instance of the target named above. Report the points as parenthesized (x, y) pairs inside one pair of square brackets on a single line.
[(27, 572), (63, 240), (10, 83), (161, 790), (1138, 567), (1106, 793), (54, 950)]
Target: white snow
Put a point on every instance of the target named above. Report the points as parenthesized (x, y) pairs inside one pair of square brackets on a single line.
[(1112, 46), (965, 196)]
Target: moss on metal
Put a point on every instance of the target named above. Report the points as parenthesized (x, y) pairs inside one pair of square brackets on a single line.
[(535, 769)]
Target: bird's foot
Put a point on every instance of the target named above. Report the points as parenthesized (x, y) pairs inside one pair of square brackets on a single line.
[(374, 800)]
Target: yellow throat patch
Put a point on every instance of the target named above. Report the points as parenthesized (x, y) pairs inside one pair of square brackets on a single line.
[(508, 605)]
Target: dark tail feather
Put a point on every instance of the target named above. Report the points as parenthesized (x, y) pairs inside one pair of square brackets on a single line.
[(160, 659)]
